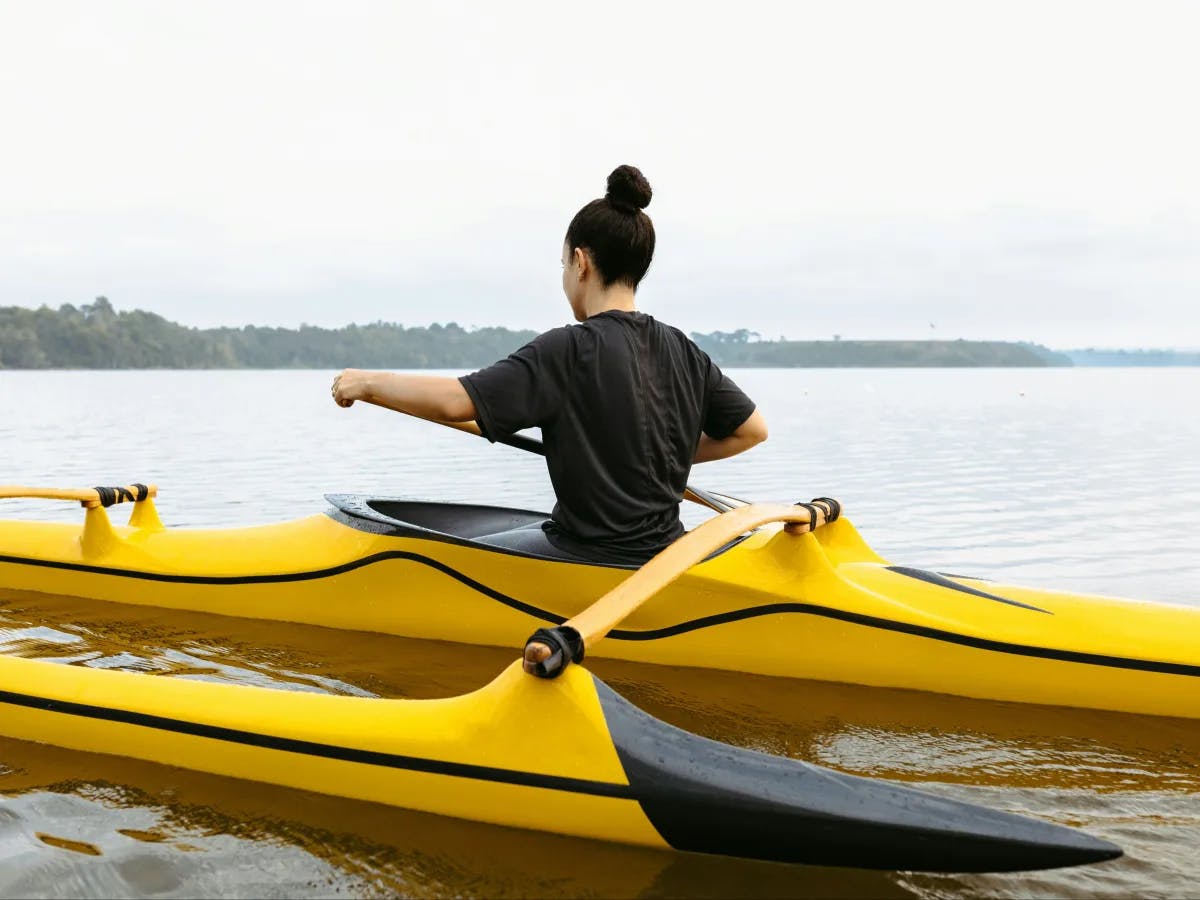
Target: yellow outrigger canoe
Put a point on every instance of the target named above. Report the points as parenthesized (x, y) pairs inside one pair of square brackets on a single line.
[(819, 605), (560, 753)]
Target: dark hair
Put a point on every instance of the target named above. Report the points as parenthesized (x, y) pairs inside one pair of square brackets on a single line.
[(619, 236)]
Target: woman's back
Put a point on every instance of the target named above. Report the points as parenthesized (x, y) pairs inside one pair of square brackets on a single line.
[(622, 400)]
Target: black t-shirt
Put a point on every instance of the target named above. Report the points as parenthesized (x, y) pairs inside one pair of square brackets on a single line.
[(621, 400)]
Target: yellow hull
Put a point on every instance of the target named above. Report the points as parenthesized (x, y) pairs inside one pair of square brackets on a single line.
[(400, 753), (819, 606)]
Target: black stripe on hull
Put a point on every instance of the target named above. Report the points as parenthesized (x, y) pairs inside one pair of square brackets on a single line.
[(325, 751), (942, 581), (963, 577), (752, 612), (936, 634), (293, 577)]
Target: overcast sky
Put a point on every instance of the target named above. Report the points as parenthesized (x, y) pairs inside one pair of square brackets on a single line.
[(877, 170)]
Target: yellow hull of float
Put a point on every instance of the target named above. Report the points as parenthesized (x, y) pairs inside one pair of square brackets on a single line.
[(469, 744), (566, 756), (816, 606)]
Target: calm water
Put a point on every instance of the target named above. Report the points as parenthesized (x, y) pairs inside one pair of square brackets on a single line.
[(1081, 479)]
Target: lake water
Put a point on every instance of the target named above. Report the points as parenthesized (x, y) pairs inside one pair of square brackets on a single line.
[(1080, 479)]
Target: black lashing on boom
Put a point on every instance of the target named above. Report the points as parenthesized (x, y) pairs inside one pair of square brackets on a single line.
[(566, 646), (835, 508), (110, 496)]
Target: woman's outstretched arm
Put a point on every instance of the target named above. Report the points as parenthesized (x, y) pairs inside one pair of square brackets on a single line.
[(428, 396)]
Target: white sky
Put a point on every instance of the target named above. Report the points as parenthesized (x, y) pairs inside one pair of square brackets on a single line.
[(1009, 170)]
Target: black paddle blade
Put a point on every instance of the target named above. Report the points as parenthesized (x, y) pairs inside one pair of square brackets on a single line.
[(709, 797)]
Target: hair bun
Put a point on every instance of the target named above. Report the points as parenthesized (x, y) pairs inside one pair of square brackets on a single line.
[(628, 189)]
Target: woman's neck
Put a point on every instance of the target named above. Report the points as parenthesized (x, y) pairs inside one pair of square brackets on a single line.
[(618, 296)]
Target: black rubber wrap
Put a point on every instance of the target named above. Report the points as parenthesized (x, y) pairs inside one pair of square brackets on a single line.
[(110, 496), (709, 797), (566, 646)]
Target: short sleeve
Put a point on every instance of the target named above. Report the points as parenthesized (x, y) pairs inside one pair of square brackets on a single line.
[(727, 407), (523, 390)]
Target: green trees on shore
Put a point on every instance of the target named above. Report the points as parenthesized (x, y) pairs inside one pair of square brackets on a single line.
[(735, 349), (96, 336)]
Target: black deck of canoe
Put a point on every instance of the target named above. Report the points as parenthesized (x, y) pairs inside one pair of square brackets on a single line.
[(453, 523), (461, 522)]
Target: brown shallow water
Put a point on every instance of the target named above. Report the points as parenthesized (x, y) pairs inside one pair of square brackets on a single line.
[(77, 824)]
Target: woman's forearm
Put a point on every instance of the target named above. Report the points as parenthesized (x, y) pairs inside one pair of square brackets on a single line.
[(749, 434), (428, 396), (711, 449)]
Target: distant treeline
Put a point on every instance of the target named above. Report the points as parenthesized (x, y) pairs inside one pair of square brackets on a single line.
[(1091, 357), (737, 348), (95, 336)]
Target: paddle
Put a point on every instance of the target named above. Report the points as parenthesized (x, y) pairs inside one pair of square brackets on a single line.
[(716, 502), (549, 650)]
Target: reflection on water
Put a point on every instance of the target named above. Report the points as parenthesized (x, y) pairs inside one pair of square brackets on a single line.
[(1134, 780), (199, 835), (1085, 480)]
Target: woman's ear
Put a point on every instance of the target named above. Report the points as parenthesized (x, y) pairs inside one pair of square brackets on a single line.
[(583, 262)]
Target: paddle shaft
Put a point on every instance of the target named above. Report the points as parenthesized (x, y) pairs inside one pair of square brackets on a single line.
[(533, 445), (521, 442)]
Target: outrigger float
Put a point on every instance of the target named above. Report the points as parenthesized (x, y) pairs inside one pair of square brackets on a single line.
[(560, 753)]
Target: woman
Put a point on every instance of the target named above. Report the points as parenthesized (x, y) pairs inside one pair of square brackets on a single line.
[(626, 404)]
